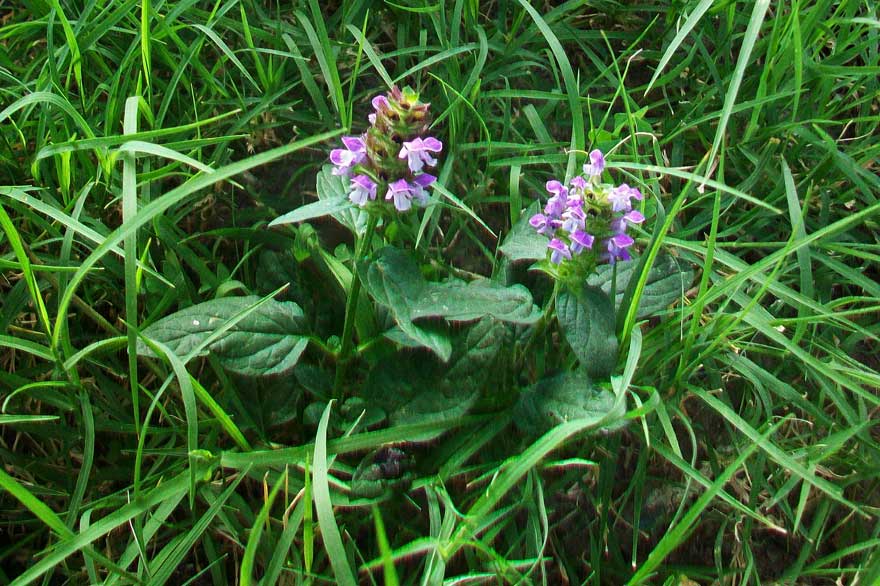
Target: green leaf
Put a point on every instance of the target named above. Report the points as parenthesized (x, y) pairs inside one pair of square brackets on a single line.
[(522, 242), (420, 390), (332, 187), (393, 280), (667, 281), (563, 398), (267, 341), (587, 320), (316, 209), (324, 507)]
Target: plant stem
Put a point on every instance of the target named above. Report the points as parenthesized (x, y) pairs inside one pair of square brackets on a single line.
[(539, 326), (362, 246)]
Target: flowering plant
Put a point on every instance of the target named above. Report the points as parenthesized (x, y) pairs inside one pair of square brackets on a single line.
[(392, 156), (392, 302)]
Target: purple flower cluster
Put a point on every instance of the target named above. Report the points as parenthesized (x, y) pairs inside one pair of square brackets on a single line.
[(391, 155), (585, 211)]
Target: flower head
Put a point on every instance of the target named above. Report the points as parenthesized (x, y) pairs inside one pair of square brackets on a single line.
[(586, 221), (391, 157)]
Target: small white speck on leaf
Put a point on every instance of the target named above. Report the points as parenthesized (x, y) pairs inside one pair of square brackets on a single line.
[(195, 322)]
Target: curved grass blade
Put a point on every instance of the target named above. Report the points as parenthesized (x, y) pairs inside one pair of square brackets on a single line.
[(324, 507)]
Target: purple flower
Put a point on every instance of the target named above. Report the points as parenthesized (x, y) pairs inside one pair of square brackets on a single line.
[(557, 189), (542, 224), (417, 152), (354, 152), (556, 206), (380, 104), (573, 217), (618, 225), (616, 246), (578, 186), (581, 240), (560, 251), (596, 164), (401, 192), (620, 197), (419, 193), (363, 189)]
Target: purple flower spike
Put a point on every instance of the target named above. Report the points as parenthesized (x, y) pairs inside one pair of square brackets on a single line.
[(354, 153), (401, 192), (581, 240), (596, 165), (559, 251), (417, 152), (419, 193), (363, 189)]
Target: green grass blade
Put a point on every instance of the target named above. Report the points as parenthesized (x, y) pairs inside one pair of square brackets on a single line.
[(324, 507), (250, 550)]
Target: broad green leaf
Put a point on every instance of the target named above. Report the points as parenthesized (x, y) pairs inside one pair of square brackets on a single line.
[(275, 401), (393, 280), (563, 398), (667, 281), (587, 320), (426, 389), (267, 341), (432, 336), (522, 242), (278, 270), (332, 187)]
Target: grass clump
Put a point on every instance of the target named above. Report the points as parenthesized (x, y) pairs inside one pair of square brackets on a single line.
[(191, 396)]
